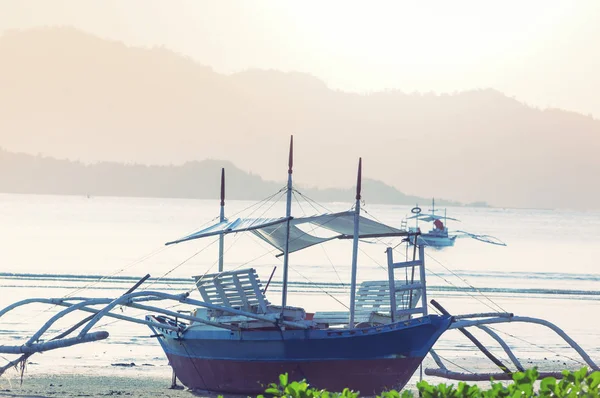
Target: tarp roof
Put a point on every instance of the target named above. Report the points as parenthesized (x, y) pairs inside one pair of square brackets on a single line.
[(273, 230)]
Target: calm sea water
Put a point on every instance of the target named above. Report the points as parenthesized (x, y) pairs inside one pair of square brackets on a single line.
[(58, 245)]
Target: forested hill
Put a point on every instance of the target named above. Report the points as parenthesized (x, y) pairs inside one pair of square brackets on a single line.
[(22, 173)]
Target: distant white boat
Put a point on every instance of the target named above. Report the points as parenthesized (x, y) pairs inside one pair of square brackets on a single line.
[(438, 236)]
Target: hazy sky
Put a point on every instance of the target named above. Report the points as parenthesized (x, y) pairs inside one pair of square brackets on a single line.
[(543, 52)]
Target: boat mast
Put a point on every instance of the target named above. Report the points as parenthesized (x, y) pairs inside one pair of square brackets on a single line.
[(221, 219), (355, 244), (417, 221), (288, 212), (445, 221)]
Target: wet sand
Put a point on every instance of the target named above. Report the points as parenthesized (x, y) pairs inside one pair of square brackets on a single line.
[(75, 385)]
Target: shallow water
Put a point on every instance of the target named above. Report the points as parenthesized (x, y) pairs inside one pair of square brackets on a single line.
[(57, 245)]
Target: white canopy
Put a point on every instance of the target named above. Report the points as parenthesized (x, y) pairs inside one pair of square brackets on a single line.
[(273, 230), (430, 217)]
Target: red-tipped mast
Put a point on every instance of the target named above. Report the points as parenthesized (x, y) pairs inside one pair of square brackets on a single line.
[(223, 186), (291, 161), (355, 244), (359, 179), (288, 212)]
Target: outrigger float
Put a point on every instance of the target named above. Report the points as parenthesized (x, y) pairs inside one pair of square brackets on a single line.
[(375, 346)]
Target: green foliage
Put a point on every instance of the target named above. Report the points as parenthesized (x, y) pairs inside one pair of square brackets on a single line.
[(574, 384), (447, 391), (301, 389)]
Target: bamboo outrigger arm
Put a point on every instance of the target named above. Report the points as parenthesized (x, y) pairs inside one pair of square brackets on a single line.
[(504, 346), (448, 374), (51, 345), (466, 321), (130, 300), (525, 319), (134, 298)]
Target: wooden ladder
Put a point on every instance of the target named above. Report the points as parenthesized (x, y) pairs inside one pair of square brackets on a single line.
[(409, 289)]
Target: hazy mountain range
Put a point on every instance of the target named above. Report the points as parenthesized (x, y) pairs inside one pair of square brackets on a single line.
[(67, 94)]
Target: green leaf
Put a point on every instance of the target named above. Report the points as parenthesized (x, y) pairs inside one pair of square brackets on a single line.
[(283, 380), (423, 386), (548, 384), (518, 376), (472, 391), (580, 375), (593, 380), (407, 394), (391, 394)]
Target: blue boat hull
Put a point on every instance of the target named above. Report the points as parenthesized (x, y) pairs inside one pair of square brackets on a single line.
[(368, 360), (436, 241)]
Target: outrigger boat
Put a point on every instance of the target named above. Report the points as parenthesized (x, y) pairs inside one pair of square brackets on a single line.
[(243, 333), (439, 236), (235, 340)]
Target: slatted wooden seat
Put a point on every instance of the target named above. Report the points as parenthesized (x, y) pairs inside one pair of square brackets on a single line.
[(238, 289), (242, 290), (372, 304)]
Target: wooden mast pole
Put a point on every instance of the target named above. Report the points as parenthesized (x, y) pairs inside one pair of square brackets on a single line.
[(355, 244), (288, 212), (221, 219)]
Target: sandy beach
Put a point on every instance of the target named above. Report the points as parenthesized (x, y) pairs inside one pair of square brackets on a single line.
[(74, 385), (77, 385)]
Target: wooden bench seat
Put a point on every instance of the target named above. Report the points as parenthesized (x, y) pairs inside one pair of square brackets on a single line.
[(372, 304), (241, 290)]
